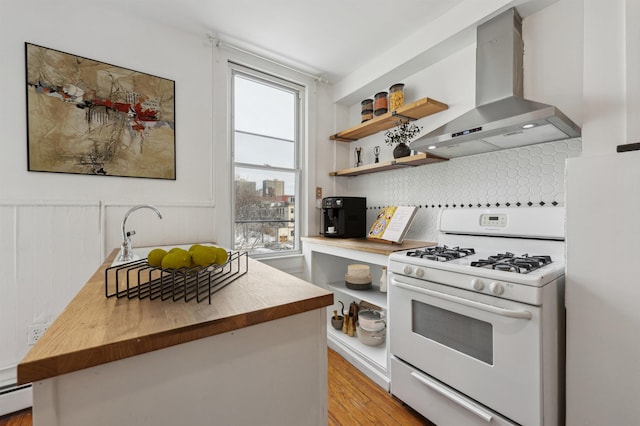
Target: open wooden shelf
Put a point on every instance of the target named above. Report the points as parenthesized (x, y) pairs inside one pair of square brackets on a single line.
[(413, 160), (413, 111)]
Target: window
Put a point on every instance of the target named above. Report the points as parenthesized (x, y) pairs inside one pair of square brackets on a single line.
[(266, 156)]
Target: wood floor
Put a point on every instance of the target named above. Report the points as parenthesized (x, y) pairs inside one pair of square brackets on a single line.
[(21, 418), (354, 400)]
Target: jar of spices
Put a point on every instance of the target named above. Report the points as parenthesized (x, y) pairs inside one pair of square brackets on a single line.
[(367, 110), (380, 105), (396, 96)]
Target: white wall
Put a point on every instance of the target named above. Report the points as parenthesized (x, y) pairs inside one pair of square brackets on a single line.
[(78, 217), (553, 68), (47, 251), (604, 76), (603, 350), (95, 31), (313, 156), (55, 229)]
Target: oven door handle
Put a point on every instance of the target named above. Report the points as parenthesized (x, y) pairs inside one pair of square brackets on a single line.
[(484, 415), (471, 303)]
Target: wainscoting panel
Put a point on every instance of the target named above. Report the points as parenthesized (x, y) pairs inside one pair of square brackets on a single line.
[(180, 224), (49, 250), (8, 307)]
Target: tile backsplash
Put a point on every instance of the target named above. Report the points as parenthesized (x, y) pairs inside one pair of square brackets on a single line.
[(531, 175)]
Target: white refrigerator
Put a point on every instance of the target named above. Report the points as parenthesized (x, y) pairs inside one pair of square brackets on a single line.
[(603, 289)]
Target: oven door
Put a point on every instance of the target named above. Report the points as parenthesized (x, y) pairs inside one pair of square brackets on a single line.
[(484, 347)]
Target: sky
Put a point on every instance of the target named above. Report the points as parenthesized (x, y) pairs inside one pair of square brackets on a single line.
[(264, 121)]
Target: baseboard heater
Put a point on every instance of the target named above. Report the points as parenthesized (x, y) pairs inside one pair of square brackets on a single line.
[(15, 398)]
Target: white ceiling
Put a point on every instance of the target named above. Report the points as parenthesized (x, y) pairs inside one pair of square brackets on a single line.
[(329, 38)]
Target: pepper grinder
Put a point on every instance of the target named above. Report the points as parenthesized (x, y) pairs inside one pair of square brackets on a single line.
[(376, 152)]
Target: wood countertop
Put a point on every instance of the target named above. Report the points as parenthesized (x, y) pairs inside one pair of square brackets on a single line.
[(363, 244), (94, 330)]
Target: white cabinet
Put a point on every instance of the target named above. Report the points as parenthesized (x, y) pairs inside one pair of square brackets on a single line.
[(632, 60), (326, 263)]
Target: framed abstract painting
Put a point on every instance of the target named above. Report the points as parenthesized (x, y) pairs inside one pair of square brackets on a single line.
[(89, 117)]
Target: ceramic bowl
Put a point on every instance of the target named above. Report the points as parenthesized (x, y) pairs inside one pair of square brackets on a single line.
[(337, 323), (371, 338)]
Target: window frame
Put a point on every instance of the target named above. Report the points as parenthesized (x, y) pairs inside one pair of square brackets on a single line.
[(299, 91)]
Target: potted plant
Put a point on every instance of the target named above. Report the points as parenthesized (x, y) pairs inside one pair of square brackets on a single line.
[(401, 135)]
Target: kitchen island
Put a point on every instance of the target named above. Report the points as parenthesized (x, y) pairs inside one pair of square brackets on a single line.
[(255, 355)]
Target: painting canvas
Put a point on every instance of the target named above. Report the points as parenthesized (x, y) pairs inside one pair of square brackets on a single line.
[(89, 117)]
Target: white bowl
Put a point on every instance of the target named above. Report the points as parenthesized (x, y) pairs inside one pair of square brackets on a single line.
[(371, 338)]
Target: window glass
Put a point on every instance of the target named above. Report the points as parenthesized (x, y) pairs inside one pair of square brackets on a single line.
[(264, 151), (263, 109), (459, 332), (266, 148), (265, 216)]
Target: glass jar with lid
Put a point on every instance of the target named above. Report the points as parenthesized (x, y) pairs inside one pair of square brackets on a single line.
[(380, 103), (396, 96), (367, 110)]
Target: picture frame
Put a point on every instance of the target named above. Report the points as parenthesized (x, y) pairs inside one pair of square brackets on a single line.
[(93, 118)]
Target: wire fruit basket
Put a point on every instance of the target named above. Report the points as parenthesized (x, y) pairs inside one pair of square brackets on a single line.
[(139, 280)]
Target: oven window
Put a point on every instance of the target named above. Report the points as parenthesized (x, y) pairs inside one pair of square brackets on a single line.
[(459, 332)]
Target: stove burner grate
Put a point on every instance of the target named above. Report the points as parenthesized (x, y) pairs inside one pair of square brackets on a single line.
[(509, 262), (441, 253)]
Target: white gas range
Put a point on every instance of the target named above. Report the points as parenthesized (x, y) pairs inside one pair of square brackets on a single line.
[(477, 323)]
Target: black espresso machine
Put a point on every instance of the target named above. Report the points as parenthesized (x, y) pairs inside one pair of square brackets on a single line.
[(344, 217)]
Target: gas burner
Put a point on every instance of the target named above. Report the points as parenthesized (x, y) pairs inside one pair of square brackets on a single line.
[(508, 262), (441, 253)]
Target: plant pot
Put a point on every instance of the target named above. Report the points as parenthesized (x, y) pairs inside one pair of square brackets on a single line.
[(401, 150)]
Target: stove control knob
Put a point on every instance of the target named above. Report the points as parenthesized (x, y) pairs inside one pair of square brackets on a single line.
[(419, 272), (477, 284), (496, 288), (407, 269)]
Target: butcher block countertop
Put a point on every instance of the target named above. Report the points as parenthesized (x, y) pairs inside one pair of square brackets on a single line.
[(94, 330), (363, 244)]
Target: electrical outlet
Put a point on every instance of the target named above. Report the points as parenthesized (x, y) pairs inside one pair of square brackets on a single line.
[(35, 332)]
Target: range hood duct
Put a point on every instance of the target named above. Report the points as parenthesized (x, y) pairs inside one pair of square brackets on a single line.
[(502, 118)]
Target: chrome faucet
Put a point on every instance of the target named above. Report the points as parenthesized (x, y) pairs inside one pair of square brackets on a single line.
[(126, 252)]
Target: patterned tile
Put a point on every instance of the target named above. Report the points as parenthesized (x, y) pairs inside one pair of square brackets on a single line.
[(530, 175)]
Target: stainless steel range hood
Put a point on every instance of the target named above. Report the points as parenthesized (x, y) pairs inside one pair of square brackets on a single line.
[(502, 118)]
